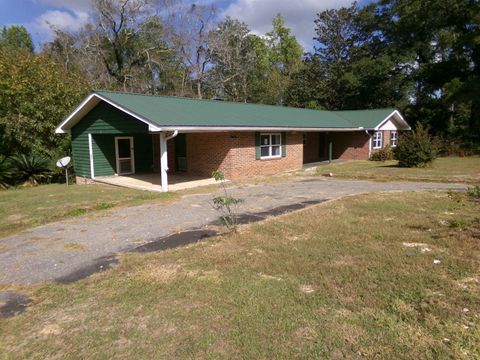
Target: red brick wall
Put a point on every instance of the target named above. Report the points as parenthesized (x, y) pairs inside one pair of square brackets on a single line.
[(207, 152), (350, 145), (245, 164), (233, 153)]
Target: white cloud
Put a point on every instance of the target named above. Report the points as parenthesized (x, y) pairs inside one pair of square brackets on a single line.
[(298, 14), (59, 20), (72, 5)]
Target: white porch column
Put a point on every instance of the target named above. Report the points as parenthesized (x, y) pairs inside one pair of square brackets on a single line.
[(163, 161)]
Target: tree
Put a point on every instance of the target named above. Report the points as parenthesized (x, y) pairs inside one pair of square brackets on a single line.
[(127, 40), (284, 58), (35, 95), (438, 42), (353, 68), (16, 38), (233, 58), (189, 31)]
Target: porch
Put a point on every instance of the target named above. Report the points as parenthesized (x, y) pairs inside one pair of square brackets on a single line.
[(152, 181)]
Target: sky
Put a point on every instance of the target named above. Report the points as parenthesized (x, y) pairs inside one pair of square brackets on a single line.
[(39, 15)]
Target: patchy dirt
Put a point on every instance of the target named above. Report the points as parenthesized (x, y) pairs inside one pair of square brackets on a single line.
[(12, 303), (96, 266), (175, 240)]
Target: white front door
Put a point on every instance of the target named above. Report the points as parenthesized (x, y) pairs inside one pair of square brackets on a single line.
[(124, 155)]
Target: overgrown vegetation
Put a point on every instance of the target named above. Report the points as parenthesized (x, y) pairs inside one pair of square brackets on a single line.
[(474, 192), (416, 148), (226, 204), (306, 285), (30, 169), (384, 154)]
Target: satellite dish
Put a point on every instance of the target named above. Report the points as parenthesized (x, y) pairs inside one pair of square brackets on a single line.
[(63, 162)]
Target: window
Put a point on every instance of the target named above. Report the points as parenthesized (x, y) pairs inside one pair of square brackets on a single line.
[(377, 140), (393, 138), (270, 146)]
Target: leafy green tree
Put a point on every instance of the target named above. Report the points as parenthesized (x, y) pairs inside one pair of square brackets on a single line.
[(284, 59), (438, 42), (35, 95), (16, 38), (352, 68)]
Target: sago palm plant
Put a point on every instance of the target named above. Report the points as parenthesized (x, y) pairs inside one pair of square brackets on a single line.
[(30, 169)]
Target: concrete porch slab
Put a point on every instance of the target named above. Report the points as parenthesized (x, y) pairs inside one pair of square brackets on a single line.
[(151, 181)]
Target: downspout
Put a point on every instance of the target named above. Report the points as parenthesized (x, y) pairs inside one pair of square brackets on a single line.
[(164, 158), (175, 133), (369, 144)]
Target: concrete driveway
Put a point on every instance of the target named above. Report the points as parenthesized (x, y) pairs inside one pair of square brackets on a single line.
[(68, 250)]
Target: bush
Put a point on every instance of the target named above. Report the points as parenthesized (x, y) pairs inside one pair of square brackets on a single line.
[(416, 148), (474, 192), (226, 204), (383, 154), (6, 173), (30, 169)]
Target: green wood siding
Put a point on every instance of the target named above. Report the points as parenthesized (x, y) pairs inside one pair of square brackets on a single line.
[(105, 122)]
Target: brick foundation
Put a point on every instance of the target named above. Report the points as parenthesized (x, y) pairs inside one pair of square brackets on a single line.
[(82, 180)]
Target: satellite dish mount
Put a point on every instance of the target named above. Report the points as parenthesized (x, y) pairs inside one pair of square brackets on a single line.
[(63, 163)]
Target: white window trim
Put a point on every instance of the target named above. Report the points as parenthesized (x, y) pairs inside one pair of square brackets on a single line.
[(380, 140), (270, 156), (392, 138), (132, 155)]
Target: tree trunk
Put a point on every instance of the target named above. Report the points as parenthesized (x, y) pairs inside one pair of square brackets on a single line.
[(199, 89)]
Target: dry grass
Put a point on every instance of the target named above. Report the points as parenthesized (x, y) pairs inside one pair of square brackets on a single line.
[(334, 281), (24, 208), (450, 169)]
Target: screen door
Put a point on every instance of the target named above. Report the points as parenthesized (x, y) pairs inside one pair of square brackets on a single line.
[(125, 156)]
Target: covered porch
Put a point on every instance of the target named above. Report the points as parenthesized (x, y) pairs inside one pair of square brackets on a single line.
[(152, 181), (154, 161)]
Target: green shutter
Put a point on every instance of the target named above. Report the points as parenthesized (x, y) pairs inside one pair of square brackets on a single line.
[(257, 146), (284, 144)]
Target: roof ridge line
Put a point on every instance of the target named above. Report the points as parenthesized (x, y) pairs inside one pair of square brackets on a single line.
[(211, 100)]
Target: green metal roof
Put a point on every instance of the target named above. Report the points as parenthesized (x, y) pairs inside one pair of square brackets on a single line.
[(178, 111), (185, 114), (368, 119)]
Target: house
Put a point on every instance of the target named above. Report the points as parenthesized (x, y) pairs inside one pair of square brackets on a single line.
[(115, 133)]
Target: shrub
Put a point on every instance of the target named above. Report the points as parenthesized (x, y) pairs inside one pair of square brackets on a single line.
[(474, 192), (383, 154), (30, 169), (416, 148), (226, 204), (6, 173)]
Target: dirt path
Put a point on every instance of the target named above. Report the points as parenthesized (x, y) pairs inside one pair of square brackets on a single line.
[(72, 249)]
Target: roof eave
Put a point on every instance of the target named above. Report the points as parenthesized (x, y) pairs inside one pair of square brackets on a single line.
[(88, 104), (253, 128), (398, 116)]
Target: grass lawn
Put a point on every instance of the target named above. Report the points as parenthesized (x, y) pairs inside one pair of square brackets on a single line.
[(450, 169), (349, 279), (23, 208)]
